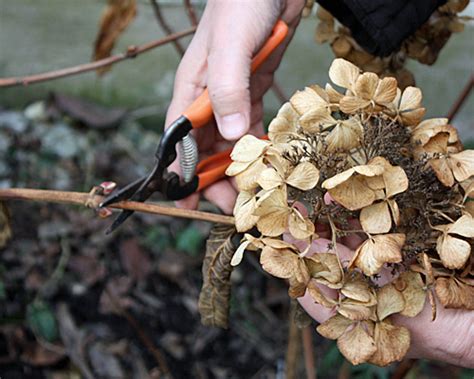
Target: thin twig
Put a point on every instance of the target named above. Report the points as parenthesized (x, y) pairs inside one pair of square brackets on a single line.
[(164, 25), (293, 347), (191, 12), (278, 91), (308, 353), (461, 98), (142, 335), (131, 52), (82, 198)]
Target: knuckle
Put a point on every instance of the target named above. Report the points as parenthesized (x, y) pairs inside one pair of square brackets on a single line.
[(226, 95)]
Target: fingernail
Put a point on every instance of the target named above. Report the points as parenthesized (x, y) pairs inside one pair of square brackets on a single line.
[(232, 126)]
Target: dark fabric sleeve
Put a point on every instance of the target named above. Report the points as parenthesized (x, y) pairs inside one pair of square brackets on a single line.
[(380, 26)]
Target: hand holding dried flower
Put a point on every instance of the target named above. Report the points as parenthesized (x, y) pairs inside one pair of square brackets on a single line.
[(408, 183)]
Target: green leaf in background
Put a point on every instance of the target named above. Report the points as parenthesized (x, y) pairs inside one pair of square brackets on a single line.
[(41, 320), (3, 294), (469, 144), (467, 373), (333, 358), (157, 239), (190, 240)]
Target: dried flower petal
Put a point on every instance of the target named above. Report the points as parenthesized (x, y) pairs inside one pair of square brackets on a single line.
[(248, 149), (300, 227), (304, 176), (454, 252), (244, 208), (392, 343), (357, 345), (378, 250), (389, 301), (414, 292), (334, 327), (343, 73), (454, 294)]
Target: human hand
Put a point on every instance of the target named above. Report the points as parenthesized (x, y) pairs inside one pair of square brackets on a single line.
[(450, 338), (219, 58)]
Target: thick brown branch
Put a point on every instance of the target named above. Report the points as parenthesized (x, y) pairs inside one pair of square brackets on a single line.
[(131, 52), (82, 198), (164, 25)]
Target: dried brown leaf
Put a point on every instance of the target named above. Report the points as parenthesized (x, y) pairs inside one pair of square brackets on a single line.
[(116, 17), (214, 299), (5, 229)]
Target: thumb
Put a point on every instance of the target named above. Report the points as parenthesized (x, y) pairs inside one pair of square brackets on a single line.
[(228, 85)]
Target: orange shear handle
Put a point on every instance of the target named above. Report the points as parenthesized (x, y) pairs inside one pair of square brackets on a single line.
[(199, 113)]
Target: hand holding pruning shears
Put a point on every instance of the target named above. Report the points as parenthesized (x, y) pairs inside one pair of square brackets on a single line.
[(199, 111)]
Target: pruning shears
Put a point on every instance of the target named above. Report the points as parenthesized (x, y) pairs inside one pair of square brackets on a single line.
[(196, 176)]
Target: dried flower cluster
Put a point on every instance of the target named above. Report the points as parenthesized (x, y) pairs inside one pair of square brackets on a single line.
[(424, 46), (363, 165)]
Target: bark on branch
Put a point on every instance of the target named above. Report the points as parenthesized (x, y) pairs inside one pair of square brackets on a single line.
[(93, 201), (131, 52)]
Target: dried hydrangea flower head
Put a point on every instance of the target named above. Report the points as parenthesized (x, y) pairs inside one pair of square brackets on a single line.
[(360, 163), (424, 46)]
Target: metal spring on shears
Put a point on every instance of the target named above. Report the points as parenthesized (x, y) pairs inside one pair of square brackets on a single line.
[(188, 157)]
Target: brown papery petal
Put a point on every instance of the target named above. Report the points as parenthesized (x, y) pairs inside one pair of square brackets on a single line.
[(306, 100), (366, 85), (464, 226), (389, 301), (305, 176), (248, 149), (300, 227), (275, 223), (396, 181), (411, 99), (345, 136), (243, 211), (269, 179), (351, 104), (248, 179), (354, 310), (353, 194), (356, 345), (281, 263), (413, 292), (333, 95), (343, 73), (462, 164), (412, 118), (453, 252), (386, 90), (442, 171), (377, 250), (376, 218), (357, 289), (236, 168), (316, 119), (392, 343), (334, 327), (319, 297), (454, 294)]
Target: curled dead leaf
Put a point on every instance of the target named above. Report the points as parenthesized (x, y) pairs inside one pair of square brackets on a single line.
[(214, 298), (116, 17)]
